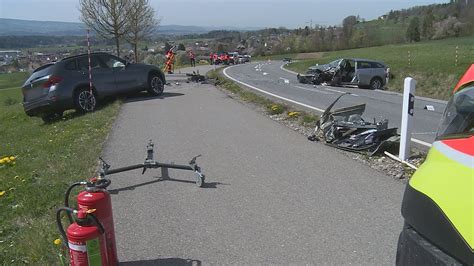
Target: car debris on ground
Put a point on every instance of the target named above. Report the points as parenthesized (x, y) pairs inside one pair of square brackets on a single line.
[(346, 129), (196, 77)]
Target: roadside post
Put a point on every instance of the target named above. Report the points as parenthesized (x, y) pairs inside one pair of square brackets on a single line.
[(407, 115)]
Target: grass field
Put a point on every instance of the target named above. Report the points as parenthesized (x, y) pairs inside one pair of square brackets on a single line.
[(432, 63), (13, 80), (48, 157)]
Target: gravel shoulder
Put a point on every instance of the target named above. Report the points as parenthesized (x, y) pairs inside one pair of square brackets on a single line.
[(271, 196)]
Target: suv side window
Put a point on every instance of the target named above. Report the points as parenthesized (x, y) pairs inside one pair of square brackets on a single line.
[(83, 63), (376, 65), (71, 65), (363, 65), (112, 61)]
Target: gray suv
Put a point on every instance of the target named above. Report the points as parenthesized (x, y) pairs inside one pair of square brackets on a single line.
[(364, 73), (54, 88)]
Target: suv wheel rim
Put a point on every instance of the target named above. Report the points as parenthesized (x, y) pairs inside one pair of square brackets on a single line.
[(156, 84), (87, 101), (376, 84)]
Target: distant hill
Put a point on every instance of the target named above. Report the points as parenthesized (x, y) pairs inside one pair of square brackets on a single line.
[(19, 27)]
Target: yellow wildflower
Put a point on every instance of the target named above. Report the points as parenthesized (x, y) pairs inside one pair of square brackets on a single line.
[(2, 193), (12, 158), (57, 241)]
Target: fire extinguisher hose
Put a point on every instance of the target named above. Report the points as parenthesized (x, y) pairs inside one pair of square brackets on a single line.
[(66, 198), (60, 224)]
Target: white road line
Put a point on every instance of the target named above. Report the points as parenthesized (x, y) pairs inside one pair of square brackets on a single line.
[(421, 142), (287, 81), (269, 93), (333, 90), (265, 73), (298, 103), (287, 70), (318, 91)]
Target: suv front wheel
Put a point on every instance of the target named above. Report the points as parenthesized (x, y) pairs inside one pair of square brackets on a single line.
[(155, 85), (85, 100)]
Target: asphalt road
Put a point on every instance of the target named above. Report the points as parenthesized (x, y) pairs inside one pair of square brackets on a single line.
[(271, 196), (270, 77)]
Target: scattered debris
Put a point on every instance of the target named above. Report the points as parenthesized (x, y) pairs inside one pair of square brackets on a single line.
[(429, 108), (345, 129), (195, 77)]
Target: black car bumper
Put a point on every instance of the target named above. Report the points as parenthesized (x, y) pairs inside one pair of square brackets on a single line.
[(413, 249), (42, 107)]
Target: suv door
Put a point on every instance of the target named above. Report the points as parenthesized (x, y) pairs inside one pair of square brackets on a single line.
[(364, 72), (103, 78), (126, 75)]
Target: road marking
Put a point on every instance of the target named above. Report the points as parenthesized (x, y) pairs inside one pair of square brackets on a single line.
[(287, 81), (421, 142), (269, 93), (307, 89), (287, 70), (265, 73), (297, 103), (342, 92), (333, 90)]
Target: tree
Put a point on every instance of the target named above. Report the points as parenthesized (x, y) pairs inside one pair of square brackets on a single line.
[(413, 31), (108, 18), (427, 29), (142, 22), (181, 47), (347, 26)]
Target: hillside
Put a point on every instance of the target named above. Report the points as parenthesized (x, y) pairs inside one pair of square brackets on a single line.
[(432, 63), (19, 27)]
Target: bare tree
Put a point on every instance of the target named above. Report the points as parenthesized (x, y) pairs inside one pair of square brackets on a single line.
[(141, 24), (108, 18)]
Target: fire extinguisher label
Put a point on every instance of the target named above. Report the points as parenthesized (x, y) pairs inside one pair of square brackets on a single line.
[(93, 252), (75, 247)]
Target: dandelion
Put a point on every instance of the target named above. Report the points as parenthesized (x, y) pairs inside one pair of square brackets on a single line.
[(12, 158), (57, 241), (2, 193)]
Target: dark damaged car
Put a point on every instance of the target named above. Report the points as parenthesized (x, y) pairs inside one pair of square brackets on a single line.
[(54, 88), (363, 73)]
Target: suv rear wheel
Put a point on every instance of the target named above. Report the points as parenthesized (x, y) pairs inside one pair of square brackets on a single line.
[(155, 85), (85, 100), (376, 84)]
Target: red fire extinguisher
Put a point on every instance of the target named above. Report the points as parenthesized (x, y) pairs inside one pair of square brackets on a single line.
[(84, 238), (95, 196)]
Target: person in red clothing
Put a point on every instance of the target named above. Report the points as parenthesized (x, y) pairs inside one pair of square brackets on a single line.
[(192, 58), (211, 58), (169, 65)]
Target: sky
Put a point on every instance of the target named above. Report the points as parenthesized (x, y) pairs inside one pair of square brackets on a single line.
[(237, 13)]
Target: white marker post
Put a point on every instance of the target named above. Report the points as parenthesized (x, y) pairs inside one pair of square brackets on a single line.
[(407, 115)]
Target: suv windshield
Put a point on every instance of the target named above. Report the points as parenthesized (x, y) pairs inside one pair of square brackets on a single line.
[(335, 63), (458, 118)]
